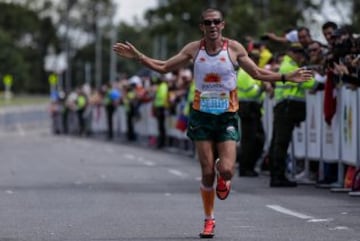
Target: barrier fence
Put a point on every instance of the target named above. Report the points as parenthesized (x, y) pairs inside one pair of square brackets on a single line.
[(313, 140)]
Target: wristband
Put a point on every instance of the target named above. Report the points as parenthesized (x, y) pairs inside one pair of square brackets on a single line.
[(283, 80)]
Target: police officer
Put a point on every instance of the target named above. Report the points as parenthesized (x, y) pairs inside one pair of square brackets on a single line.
[(81, 105), (130, 102), (289, 111), (160, 106), (251, 95)]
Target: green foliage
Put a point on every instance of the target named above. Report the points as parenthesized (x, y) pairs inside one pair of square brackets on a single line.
[(356, 16), (24, 38), (28, 30), (12, 61)]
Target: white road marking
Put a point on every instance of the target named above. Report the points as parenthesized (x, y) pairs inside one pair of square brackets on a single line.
[(149, 163), (288, 212), (20, 129), (243, 227), (129, 156), (145, 162), (320, 220), (109, 149), (177, 173), (339, 228)]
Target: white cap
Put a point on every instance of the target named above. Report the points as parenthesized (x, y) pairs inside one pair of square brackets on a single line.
[(135, 80), (186, 73), (167, 77)]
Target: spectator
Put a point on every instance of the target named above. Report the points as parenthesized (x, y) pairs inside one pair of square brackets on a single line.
[(304, 37), (264, 54), (160, 106), (328, 30), (300, 35), (130, 104), (81, 105), (250, 93), (289, 111), (317, 63), (289, 36), (111, 100)]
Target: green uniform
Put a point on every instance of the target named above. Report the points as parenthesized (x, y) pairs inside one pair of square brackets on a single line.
[(161, 103), (251, 96), (289, 111)]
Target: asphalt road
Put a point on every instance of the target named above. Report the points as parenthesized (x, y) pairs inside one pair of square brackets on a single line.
[(66, 188)]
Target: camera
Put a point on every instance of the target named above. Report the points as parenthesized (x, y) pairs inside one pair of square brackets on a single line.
[(345, 43)]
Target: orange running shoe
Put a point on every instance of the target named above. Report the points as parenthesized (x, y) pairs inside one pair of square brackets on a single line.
[(222, 188), (209, 228)]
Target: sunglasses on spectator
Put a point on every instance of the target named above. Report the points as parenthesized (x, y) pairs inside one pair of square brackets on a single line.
[(208, 22), (313, 49)]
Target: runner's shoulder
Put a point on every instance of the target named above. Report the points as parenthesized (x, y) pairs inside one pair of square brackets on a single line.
[(236, 48), (234, 44), (192, 48)]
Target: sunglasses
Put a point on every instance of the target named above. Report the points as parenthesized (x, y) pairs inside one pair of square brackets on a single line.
[(313, 50), (213, 21)]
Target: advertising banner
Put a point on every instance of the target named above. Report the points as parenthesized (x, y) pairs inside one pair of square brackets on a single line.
[(299, 140), (314, 121), (348, 126), (331, 135)]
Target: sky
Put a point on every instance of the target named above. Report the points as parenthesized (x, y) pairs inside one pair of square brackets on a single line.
[(127, 10)]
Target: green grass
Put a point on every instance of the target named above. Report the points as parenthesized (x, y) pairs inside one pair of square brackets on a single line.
[(21, 100)]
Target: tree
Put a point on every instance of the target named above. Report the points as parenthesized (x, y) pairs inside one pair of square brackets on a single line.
[(85, 22), (27, 38), (178, 23)]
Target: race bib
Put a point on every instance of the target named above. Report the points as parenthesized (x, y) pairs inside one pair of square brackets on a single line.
[(214, 102)]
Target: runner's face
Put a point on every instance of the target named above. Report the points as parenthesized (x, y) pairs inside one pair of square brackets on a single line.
[(212, 25)]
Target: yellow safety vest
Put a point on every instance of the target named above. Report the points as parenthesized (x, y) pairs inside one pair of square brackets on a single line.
[(161, 95), (248, 89), (291, 90), (190, 98)]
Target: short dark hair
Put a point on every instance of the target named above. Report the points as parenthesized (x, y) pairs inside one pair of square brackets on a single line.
[(329, 24), (299, 29), (296, 48), (319, 43), (208, 10)]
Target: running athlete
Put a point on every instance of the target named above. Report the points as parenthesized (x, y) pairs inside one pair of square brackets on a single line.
[(213, 121)]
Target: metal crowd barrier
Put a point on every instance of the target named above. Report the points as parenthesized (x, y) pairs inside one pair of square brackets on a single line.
[(314, 140)]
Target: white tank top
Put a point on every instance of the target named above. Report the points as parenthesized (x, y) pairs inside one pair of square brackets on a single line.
[(215, 81)]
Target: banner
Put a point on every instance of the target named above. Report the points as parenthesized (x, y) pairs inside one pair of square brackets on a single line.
[(314, 122), (121, 118), (151, 122), (299, 140), (98, 119), (140, 120), (348, 126)]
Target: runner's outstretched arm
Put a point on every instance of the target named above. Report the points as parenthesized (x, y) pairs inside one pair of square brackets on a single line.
[(245, 62), (127, 50)]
